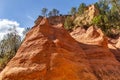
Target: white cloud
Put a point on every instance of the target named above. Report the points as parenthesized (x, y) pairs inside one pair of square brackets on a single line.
[(6, 24)]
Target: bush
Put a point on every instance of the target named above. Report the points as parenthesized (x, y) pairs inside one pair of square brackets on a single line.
[(3, 62), (68, 23)]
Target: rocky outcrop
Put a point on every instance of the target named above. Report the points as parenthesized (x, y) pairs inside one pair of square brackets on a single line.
[(53, 20), (50, 53), (78, 31), (118, 43), (114, 46), (95, 45), (92, 36), (86, 18)]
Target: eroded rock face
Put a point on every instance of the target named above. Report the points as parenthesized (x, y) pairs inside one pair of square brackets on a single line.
[(114, 46), (91, 36), (102, 60), (52, 19), (50, 53), (118, 43)]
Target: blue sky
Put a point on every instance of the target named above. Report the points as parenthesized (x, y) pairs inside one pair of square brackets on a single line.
[(24, 12)]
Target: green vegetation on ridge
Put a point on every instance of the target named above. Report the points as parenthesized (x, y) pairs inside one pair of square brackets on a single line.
[(107, 19)]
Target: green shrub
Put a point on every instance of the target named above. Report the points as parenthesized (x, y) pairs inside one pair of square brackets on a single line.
[(68, 24)]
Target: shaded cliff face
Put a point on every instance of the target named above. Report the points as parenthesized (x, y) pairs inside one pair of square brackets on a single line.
[(114, 46), (53, 19), (50, 53)]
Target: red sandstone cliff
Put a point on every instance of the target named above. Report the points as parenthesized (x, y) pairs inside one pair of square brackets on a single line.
[(50, 53)]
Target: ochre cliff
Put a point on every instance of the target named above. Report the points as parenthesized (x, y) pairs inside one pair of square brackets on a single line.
[(114, 46), (104, 61), (92, 36), (49, 52), (53, 19)]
